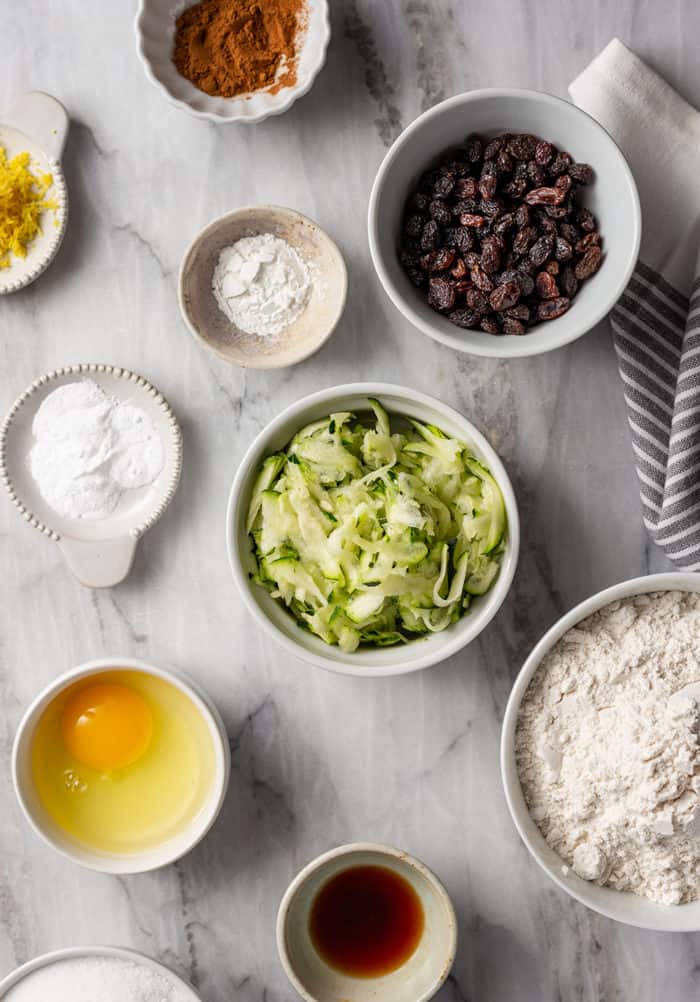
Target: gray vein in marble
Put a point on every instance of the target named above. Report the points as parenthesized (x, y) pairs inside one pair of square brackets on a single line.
[(388, 122)]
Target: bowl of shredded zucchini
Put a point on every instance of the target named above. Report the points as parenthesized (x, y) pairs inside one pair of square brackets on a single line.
[(372, 529)]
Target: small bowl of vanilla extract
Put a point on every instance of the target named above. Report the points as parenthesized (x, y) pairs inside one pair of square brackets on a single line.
[(366, 922)]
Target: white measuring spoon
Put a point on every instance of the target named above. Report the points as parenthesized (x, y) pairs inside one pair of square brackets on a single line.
[(38, 124)]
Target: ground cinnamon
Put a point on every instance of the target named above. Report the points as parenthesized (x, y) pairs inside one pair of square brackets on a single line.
[(230, 47)]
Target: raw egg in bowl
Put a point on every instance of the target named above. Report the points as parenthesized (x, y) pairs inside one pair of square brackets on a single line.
[(121, 766)]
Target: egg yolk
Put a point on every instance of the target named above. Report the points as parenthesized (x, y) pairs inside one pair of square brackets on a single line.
[(106, 725)]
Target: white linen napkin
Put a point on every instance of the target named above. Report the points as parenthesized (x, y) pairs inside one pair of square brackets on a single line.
[(656, 323)]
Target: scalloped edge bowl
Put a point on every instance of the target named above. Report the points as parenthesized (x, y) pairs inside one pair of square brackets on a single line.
[(99, 553), (155, 29)]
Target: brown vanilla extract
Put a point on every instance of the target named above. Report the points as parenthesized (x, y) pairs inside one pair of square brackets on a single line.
[(366, 921)]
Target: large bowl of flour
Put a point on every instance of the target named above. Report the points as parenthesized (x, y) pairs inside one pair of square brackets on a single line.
[(600, 752)]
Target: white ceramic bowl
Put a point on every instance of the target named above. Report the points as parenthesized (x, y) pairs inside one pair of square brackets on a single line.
[(184, 990), (155, 32), (137, 862), (274, 617), (99, 552), (38, 124), (422, 974), (318, 320), (621, 906), (612, 198)]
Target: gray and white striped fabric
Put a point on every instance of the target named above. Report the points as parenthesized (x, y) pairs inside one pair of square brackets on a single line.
[(657, 339)]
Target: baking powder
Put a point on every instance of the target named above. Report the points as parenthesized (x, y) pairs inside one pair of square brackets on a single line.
[(261, 284)]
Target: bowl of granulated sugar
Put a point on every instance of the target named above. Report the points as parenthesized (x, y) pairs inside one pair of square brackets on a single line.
[(95, 974)]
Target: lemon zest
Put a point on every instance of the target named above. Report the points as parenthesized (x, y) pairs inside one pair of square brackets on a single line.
[(22, 201)]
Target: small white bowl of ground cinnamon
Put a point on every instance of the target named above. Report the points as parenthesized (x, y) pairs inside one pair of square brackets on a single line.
[(233, 60)]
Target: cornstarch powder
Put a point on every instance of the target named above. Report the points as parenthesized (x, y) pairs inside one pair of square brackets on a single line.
[(96, 979), (607, 747)]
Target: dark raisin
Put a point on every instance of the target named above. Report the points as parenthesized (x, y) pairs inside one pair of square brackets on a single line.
[(544, 196), (560, 164), (557, 211), (525, 281), (585, 220), (540, 250), (562, 249), (488, 180), (490, 255), (544, 152), (480, 279), (459, 270), (589, 263), (465, 188), (503, 223), (441, 294), (563, 184), (474, 148), (419, 201), (490, 325), (522, 216), (518, 312), (511, 325), (504, 296), (471, 259), (472, 220), (430, 236), (494, 147), (413, 226), (463, 205), (477, 301), (546, 286), (582, 173), (440, 212), (552, 268), (444, 184), (553, 308), (568, 283), (504, 162), (491, 207), (569, 233), (590, 240), (438, 260), (524, 238), (536, 174), (522, 147), (464, 318)]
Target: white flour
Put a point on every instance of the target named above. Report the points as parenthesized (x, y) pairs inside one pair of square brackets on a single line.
[(96, 979), (607, 747), (261, 284), (90, 448)]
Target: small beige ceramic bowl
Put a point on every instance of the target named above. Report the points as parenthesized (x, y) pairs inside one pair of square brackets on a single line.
[(108, 862), (416, 981), (302, 338)]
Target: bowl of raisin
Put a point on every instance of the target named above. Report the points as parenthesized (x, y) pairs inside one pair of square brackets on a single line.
[(504, 222)]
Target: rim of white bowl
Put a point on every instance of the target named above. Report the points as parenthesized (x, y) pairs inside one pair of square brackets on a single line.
[(234, 117), (673, 918), (454, 639), (76, 952), (348, 850), (151, 859), (294, 218), (495, 347)]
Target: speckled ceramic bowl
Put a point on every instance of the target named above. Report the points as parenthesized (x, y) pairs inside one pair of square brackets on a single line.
[(155, 31), (621, 906), (308, 333), (415, 981)]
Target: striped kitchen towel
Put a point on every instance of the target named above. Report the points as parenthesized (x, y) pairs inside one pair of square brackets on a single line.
[(656, 323)]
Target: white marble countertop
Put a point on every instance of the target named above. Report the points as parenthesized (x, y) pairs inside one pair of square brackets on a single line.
[(317, 759)]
